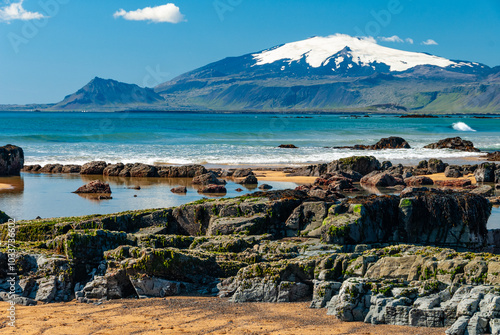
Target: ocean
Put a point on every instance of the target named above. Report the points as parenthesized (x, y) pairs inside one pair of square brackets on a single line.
[(217, 139), (231, 139)]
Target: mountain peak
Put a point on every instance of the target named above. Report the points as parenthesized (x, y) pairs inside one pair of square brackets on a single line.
[(363, 51)]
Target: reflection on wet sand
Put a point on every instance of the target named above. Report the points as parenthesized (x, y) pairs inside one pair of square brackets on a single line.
[(11, 185)]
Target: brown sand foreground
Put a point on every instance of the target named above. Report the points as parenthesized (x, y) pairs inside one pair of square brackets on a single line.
[(279, 176), (187, 315), (5, 186), (441, 176)]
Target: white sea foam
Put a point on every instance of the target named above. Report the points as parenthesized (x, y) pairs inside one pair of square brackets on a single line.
[(462, 126)]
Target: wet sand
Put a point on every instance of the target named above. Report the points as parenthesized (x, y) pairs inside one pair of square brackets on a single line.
[(441, 176), (280, 176), (188, 315)]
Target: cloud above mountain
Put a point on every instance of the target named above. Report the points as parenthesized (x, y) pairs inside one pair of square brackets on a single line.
[(15, 11), (396, 39), (429, 42), (166, 13)]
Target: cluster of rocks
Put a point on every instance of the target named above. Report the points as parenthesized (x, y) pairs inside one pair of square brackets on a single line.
[(362, 258), (393, 142)]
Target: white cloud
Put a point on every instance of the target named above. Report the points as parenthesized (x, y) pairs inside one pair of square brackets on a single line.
[(409, 40), (429, 42), (393, 38), (15, 11), (165, 13)]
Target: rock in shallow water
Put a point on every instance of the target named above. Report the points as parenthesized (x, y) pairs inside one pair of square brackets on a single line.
[(95, 186)]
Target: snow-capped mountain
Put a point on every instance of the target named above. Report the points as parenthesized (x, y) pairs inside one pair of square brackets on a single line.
[(343, 53)]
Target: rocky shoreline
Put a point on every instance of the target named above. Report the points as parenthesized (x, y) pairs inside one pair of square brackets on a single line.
[(422, 256)]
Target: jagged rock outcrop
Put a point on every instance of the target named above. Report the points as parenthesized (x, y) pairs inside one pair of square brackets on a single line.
[(485, 173), (455, 143), (11, 160)]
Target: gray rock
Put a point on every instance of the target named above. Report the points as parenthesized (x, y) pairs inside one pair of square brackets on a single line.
[(459, 327), (47, 289), (478, 325), (426, 317), (323, 292), (155, 287), (18, 300), (292, 291), (495, 326), (352, 303), (485, 173), (252, 225)]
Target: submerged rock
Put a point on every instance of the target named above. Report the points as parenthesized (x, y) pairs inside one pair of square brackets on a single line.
[(287, 146), (180, 189)]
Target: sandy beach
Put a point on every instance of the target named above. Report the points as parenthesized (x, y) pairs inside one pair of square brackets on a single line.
[(280, 176), (5, 186), (188, 315)]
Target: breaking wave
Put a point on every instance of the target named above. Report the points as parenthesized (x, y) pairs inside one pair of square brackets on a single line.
[(461, 126)]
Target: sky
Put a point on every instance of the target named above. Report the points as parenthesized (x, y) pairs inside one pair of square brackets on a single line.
[(51, 48)]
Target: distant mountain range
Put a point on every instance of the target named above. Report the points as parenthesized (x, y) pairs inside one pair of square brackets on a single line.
[(335, 73)]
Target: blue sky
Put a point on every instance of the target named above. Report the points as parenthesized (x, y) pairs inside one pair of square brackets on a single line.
[(51, 48)]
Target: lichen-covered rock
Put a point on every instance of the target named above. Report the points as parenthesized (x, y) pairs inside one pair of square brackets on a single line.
[(353, 301), (323, 292), (11, 160)]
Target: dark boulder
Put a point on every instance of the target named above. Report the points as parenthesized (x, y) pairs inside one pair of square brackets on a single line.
[(113, 169), (455, 143), (380, 179), (4, 217), (208, 179), (485, 173), (265, 187), (361, 164), (493, 156), (11, 160), (239, 173), (391, 143), (185, 171), (96, 167), (453, 171), (287, 146), (217, 189), (51, 168), (71, 168), (143, 170), (95, 186), (180, 190), (248, 180), (435, 166), (31, 168)]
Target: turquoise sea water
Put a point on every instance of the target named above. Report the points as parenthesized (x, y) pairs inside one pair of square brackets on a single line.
[(210, 139), (233, 139)]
